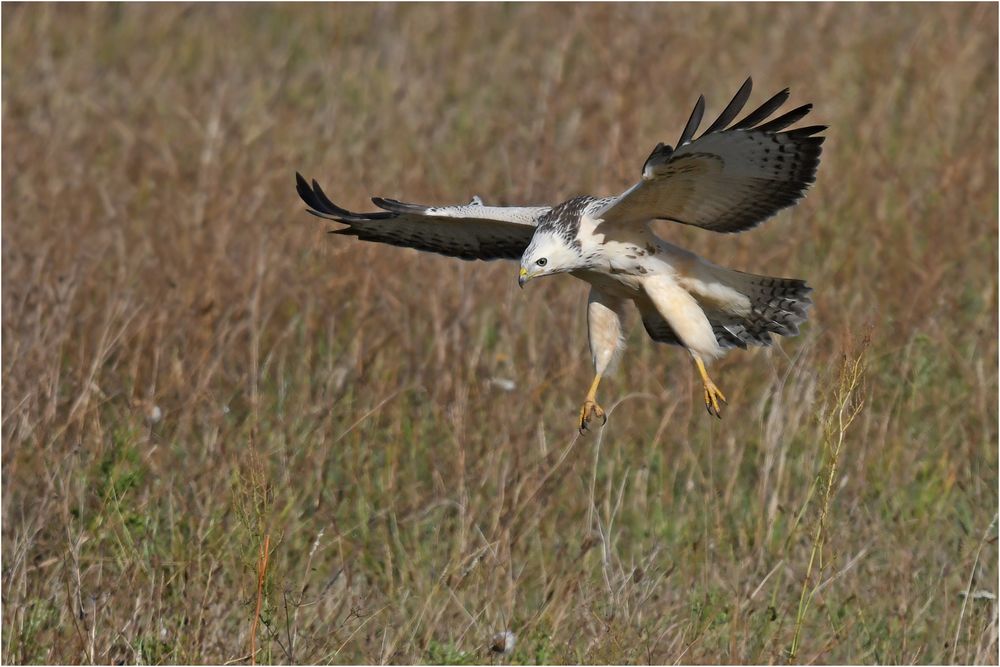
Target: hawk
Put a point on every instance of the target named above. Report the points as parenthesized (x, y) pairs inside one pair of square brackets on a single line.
[(729, 179)]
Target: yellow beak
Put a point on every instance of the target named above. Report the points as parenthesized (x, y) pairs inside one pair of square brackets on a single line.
[(523, 277)]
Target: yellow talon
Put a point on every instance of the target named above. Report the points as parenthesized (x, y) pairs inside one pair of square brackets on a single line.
[(588, 411), (590, 408), (713, 395), (712, 398)]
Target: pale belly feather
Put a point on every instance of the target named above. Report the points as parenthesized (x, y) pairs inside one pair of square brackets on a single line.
[(647, 270)]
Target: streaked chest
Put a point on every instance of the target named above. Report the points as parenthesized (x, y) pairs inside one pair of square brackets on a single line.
[(621, 250)]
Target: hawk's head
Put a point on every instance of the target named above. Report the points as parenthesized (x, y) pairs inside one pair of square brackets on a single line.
[(555, 247), (548, 253)]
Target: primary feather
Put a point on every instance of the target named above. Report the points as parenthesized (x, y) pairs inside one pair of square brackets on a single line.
[(727, 180), (468, 231)]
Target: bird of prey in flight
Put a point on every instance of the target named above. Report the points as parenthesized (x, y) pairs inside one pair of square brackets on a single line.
[(729, 179)]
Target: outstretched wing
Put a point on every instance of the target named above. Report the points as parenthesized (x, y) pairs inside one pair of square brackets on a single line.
[(731, 178), (469, 231)]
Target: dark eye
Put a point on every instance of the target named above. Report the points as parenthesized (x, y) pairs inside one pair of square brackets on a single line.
[(542, 262)]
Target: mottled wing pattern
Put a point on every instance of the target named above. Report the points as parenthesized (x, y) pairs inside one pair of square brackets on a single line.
[(470, 231), (729, 332), (777, 306), (732, 177)]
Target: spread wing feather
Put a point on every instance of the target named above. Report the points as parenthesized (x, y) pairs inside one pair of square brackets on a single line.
[(734, 107), (729, 179), (468, 231), (693, 122)]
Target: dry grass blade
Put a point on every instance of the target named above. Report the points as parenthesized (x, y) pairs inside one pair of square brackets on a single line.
[(968, 589)]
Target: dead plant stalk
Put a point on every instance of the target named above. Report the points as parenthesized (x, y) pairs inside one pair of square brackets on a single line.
[(261, 573), (847, 406)]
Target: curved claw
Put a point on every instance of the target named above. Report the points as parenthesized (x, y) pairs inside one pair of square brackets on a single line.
[(588, 411), (713, 396)]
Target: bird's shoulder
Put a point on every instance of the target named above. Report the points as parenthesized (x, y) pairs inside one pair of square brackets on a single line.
[(568, 212)]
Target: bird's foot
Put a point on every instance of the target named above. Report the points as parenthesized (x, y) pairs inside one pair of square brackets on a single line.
[(713, 395), (589, 411)]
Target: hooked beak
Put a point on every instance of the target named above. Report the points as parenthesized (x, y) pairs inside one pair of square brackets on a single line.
[(523, 277)]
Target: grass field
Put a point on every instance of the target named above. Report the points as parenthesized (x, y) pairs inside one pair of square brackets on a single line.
[(193, 369)]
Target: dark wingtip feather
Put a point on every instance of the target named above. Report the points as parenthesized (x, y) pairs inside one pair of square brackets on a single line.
[(324, 216), (306, 193), (734, 107), (783, 121), (763, 111), (807, 131), (328, 206), (693, 121), (321, 206), (398, 206)]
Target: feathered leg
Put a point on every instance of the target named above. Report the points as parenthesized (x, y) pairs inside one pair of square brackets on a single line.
[(605, 316), (688, 322)]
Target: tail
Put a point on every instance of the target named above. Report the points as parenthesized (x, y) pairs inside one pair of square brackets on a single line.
[(777, 305)]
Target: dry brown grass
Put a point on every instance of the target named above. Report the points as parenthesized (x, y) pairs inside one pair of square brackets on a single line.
[(190, 365)]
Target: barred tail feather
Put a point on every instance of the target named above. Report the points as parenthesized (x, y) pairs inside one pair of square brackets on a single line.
[(777, 305)]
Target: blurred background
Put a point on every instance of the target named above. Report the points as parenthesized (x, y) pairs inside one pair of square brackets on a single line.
[(225, 431)]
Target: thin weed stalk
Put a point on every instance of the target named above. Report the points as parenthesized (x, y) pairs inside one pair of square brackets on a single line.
[(848, 403), (261, 574)]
